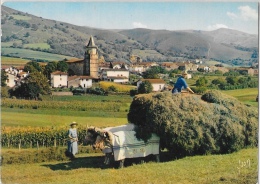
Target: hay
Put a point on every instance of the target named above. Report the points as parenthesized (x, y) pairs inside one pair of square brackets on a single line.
[(193, 124)]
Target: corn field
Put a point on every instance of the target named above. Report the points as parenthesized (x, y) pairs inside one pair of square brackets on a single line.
[(63, 105), (36, 137)]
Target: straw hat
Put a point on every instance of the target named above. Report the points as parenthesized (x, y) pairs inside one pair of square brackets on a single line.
[(73, 123)]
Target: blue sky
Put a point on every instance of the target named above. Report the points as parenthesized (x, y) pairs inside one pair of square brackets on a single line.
[(242, 16)]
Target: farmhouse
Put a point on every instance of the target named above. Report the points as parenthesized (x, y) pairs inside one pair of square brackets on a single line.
[(115, 75), (59, 79), (158, 84), (80, 81)]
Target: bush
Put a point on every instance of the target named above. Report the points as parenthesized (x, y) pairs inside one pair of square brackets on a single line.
[(190, 125)]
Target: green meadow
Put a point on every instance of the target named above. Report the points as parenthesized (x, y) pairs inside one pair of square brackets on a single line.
[(239, 168), (26, 53)]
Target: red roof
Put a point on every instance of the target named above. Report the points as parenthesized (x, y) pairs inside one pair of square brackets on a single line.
[(59, 73), (75, 60), (154, 81)]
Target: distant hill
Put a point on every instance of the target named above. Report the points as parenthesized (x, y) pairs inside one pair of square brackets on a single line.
[(22, 30)]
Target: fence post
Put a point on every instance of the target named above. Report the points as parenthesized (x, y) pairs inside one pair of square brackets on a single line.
[(19, 145), (37, 145), (55, 144)]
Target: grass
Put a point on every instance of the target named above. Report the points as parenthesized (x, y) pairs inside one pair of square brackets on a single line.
[(26, 53), (10, 61), (248, 96), (37, 45), (239, 167), (21, 17), (56, 117)]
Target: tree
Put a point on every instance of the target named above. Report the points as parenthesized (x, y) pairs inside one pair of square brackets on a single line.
[(27, 34), (201, 82), (145, 87), (33, 86), (32, 66), (4, 77), (62, 66), (231, 80), (49, 68), (153, 72)]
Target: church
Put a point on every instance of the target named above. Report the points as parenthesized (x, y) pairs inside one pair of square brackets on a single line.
[(88, 66)]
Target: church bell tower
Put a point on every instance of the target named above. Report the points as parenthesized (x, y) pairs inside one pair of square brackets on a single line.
[(91, 59)]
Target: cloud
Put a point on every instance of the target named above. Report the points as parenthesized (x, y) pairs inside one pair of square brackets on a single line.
[(232, 15), (216, 26), (248, 13), (245, 13), (139, 25)]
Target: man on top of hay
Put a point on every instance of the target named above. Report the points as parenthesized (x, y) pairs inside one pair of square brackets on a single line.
[(181, 83)]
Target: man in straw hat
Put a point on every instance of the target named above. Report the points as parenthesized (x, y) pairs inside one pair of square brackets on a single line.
[(181, 83), (73, 140)]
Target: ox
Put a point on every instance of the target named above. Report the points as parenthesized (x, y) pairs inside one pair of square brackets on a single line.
[(121, 143)]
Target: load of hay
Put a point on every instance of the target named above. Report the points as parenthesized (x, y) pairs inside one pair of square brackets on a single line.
[(192, 124)]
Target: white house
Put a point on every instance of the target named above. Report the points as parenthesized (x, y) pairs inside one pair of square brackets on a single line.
[(158, 84), (11, 80), (59, 79), (83, 81), (115, 75)]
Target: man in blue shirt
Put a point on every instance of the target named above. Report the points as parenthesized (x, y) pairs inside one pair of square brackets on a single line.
[(181, 83)]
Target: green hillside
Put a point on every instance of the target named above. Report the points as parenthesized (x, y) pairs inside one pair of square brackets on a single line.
[(22, 30)]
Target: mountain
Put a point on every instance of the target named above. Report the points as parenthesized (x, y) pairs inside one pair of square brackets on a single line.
[(25, 31)]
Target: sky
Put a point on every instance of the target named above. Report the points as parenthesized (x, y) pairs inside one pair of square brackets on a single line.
[(206, 16)]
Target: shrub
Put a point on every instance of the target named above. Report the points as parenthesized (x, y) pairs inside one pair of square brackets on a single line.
[(191, 125)]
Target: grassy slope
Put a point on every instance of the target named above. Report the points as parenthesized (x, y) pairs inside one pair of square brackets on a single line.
[(23, 53), (87, 169)]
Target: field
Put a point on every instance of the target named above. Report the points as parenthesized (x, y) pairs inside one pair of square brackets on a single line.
[(37, 45), (10, 61), (25, 53), (239, 167)]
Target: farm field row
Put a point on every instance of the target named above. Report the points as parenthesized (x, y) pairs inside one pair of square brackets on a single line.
[(239, 167)]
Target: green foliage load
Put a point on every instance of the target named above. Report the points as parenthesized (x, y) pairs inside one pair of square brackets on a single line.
[(192, 124)]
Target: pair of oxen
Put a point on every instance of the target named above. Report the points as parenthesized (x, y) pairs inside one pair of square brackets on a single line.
[(120, 143)]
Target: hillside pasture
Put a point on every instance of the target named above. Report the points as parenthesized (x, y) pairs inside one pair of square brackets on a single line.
[(146, 52), (37, 45), (26, 53), (21, 17)]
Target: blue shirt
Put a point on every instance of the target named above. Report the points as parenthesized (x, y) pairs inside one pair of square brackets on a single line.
[(180, 83)]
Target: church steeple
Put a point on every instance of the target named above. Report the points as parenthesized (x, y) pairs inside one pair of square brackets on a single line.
[(91, 43), (91, 59)]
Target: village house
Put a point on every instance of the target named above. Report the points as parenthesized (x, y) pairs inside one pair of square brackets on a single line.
[(14, 75), (115, 75), (141, 67), (169, 66), (222, 69), (252, 71), (79, 81), (59, 79), (158, 84)]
